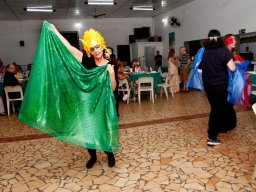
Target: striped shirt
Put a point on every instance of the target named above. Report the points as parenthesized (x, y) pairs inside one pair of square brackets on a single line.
[(184, 60)]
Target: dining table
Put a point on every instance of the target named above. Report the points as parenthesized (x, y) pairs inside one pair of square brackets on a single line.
[(156, 76)]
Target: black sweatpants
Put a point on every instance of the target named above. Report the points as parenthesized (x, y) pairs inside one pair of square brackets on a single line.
[(222, 116)]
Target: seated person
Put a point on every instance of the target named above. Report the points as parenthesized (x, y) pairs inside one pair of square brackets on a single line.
[(136, 65), (27, 72), (11, 80), (121, 75), (18, 71), (126, 67), (9, 76)]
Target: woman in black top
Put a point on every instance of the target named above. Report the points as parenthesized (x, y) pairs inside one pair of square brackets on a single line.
[(216, 62), (92, 57)]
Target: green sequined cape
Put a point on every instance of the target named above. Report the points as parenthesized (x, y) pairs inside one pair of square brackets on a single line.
[(67, 101)]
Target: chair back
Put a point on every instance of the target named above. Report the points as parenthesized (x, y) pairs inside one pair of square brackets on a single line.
[(123, 85), (12, 89), (146, 80), (168, 80)]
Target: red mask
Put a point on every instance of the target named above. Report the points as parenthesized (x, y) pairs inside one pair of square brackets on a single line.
[(230, 40)]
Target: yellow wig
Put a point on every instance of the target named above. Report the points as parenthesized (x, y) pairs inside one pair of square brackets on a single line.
[(92, 38)]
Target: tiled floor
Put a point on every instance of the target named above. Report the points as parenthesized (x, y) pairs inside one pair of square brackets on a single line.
[(163, 148)]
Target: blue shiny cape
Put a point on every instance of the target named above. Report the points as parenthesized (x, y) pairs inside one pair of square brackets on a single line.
[(236, 82), (195, 77)]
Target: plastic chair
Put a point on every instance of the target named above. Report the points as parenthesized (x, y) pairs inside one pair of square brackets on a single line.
[(124, 87), (167, 84), (254, 172), (12, 89), (143, 86)]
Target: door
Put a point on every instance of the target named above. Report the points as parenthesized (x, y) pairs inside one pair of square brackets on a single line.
[(123, 53), (149, 56)]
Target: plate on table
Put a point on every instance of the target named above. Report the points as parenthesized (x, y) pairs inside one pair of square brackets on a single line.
[(153, 72)]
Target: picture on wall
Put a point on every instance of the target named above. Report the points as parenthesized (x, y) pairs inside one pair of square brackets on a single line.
[(171, 40)]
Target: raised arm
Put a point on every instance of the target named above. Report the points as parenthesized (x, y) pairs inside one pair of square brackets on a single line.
[(77, 53)]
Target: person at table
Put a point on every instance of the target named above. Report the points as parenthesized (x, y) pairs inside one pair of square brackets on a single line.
[(185, 62), (126, 67), (11, 80), (136, 66), (9, 76), (27, 72), (94, 44), (18, 71), (173, 70), (216, 61)]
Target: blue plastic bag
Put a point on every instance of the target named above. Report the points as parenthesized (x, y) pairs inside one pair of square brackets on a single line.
[(195, 80), (236, 82)]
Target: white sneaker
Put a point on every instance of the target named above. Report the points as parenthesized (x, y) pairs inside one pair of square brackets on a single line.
[(213, 142)]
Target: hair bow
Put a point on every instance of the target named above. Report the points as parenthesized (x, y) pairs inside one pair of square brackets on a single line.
[(213, 38)]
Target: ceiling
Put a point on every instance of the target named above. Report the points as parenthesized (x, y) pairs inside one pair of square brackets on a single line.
[(67, 9)]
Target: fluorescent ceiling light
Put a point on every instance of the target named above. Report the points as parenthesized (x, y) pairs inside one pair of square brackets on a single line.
[(39, 10), (78, 25), (47, 8), (40, 7), (77, 12), (163, 3), (165, 20), (100, 2), (142, 8)]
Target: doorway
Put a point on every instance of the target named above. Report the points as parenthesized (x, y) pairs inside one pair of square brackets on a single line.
[(123, 53), (149, 56)]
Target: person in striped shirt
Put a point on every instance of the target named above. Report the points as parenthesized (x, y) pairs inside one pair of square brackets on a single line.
[(184, 60)]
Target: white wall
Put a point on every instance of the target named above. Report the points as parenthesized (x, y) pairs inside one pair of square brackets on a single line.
[(138, 50), (115, 31), (199, 16)]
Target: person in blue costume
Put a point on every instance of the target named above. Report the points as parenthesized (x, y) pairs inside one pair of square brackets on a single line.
[(92, 57), (216, 62)]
